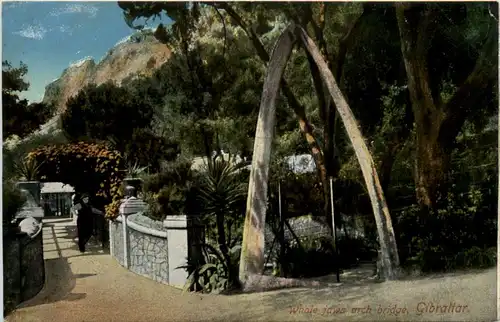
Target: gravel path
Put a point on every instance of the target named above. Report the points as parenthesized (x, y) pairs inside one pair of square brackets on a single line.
[(94, 287)]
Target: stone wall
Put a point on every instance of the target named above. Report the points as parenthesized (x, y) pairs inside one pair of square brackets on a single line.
[(306, 226), (24, 268), (313, 227), (148, 254), (116, 240)]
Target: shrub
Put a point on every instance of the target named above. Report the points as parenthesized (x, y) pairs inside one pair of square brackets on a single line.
[(221, 194), (106, 111), (88, 167), (300, 193), (313, 257), (13, 200), (458, 235), (171, 192), (353, 250), (214, 274), (147, 149), (27, 169)]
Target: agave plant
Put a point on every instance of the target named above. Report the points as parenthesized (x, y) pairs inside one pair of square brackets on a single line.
[(27, 169), (222, 194), (134, 171), (215, 274)]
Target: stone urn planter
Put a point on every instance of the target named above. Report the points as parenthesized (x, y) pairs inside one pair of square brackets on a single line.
[(134, 182)]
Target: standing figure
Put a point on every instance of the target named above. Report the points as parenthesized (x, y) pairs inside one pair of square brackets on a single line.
[(85, 221)]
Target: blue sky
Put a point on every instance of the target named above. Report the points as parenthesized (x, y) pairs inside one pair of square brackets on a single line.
[(48, 36)]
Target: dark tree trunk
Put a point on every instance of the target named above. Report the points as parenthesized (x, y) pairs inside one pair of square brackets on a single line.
[(436, 123)]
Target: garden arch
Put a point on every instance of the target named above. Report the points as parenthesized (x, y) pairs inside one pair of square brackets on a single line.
[(88, 167)]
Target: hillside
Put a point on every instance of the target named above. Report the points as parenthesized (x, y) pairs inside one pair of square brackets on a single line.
[(139, 54)]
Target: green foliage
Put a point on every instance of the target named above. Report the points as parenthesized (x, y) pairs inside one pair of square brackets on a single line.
[(311, 257), (134, 171), (13, 200), (222, 196), (221, 188), (207, 95), (19, 117), (149, 150), (171, 192), (89, 168), (201, 103), (17, 152), (105, 112), (476, 257), (451, 237), (27, 169), (301, 193), (213, 275)]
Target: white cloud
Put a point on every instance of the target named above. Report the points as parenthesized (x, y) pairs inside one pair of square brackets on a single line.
[(66, 29), (76, 8), (12, 5), (32, 31)]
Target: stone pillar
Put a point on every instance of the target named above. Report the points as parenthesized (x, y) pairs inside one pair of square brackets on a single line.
[(128, 207), (111, 240), (126, 241), (177, 241)]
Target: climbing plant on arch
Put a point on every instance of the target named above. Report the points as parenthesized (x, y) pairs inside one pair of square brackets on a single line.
[(88, 167)]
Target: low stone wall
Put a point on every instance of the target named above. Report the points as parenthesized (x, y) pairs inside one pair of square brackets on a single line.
[(304, 226), (148, 254), (23, 268)]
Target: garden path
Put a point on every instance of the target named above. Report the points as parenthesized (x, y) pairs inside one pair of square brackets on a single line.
[(94, 287)]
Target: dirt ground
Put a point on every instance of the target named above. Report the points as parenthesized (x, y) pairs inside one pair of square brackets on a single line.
[(94, 287)]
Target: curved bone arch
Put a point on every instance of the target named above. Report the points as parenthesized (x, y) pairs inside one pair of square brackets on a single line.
[(252, 253)]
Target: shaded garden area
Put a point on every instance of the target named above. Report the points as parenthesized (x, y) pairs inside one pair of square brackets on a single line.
[(413, 163)]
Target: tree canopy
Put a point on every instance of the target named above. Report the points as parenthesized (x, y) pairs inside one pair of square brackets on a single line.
[(19, 116)]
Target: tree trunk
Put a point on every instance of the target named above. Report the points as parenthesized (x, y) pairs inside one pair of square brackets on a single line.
[(429, 163), (252, 251), (437, 123), (431, 166), (387, 240)]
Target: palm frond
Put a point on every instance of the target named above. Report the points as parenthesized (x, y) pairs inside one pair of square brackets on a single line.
[(27, 169)]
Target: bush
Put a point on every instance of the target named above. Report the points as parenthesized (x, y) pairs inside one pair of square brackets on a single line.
[(354, 250), (18, 151), (147, 149), (171, 192), (222, 195), (214, 274), (300, 193), (88, 167), (13, 200), (106, 111), (219, 193), (458, 235), (315, 258)]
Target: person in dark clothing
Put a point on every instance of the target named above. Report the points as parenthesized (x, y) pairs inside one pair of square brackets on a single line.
[(85, 222)]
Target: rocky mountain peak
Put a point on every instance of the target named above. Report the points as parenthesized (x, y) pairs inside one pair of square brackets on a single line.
[(138, 54)]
